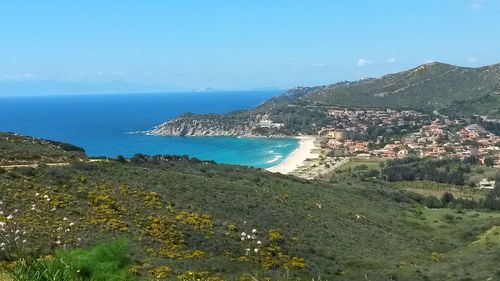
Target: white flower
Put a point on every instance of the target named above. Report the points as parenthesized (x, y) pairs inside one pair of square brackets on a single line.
[(10, 217), (58, 242), (254, 237), (36, 194), (1, 202), (24, 241), (45, 196), (33, 207), (71, 224), (2, 244), (65, 219), (248, 236), (259, 243), (243, 234), (256, 250), (2, 224), (247, 251), (254, 231), (242, 238)]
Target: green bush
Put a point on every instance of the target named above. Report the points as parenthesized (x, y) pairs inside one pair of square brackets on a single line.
[(433, 202), (107, 261)]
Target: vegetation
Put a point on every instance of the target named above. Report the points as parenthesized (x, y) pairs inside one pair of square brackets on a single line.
[(107, 261), (188, 219), (434, 86), (15, 149), (447, 170), (448, 89)]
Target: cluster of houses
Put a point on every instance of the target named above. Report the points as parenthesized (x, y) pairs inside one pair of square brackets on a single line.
[(438, 138), (268, 124), (362, 121)]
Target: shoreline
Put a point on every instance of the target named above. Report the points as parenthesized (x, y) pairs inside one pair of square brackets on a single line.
[(297, 157)]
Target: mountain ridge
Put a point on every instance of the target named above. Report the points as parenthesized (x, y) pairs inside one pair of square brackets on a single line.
[(434, 86)]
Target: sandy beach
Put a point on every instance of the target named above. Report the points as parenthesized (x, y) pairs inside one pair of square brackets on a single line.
[(296, 158)]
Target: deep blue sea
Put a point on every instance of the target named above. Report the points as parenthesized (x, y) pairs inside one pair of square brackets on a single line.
[(102, 124)]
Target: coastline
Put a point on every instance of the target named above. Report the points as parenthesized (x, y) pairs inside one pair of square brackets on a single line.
[(297, 157)]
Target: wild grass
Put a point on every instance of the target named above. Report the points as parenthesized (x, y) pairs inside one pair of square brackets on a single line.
[(104, 262), (185, 218)]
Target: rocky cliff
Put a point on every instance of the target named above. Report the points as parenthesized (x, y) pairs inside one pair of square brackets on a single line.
[(209, 125)]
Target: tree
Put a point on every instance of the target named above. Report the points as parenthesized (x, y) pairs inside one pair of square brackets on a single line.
[(433, 202), (447, 198), (489, 161), (121, 159), (472, 160)]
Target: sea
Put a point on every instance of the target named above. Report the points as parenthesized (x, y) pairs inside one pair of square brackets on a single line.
[(108, 124)]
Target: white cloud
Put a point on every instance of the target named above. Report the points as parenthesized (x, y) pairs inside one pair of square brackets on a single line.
[(477, 4), (391, 60), (21, 76), (472, 59), (363, 62)]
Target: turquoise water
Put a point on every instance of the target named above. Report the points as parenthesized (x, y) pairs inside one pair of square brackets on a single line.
[(102, 124)]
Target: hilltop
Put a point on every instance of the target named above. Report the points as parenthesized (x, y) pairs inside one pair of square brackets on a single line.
[(432, 86), (448, 89), (185, 215)]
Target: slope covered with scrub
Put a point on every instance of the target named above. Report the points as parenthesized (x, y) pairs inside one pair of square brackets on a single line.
[(185, 216)]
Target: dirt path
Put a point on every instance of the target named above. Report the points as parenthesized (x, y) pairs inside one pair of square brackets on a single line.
[(35, 165)]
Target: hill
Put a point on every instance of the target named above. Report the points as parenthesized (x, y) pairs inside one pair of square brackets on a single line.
[(20, 150), (432, 86), (448, 89), (185, 215)]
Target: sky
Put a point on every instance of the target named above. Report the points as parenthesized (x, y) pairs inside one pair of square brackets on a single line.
[(239, 44)]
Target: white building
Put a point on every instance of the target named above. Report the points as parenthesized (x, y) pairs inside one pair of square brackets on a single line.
[(270, 124), (486, 184)]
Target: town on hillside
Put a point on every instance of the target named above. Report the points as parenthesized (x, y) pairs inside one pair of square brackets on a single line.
[(402, 133)]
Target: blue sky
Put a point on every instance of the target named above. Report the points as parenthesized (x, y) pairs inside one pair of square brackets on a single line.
[(240, 44)]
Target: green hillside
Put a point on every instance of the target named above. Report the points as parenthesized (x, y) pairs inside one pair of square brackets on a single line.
[(432, 86), (184, 218), (18, 150), (448, 89)]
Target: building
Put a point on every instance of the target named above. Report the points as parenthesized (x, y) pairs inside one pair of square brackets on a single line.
[(269, 124), (337, 135), (486, 184)]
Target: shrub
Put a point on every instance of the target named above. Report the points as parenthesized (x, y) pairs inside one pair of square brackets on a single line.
[(447, 198), (433, 202), (108, 261)]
